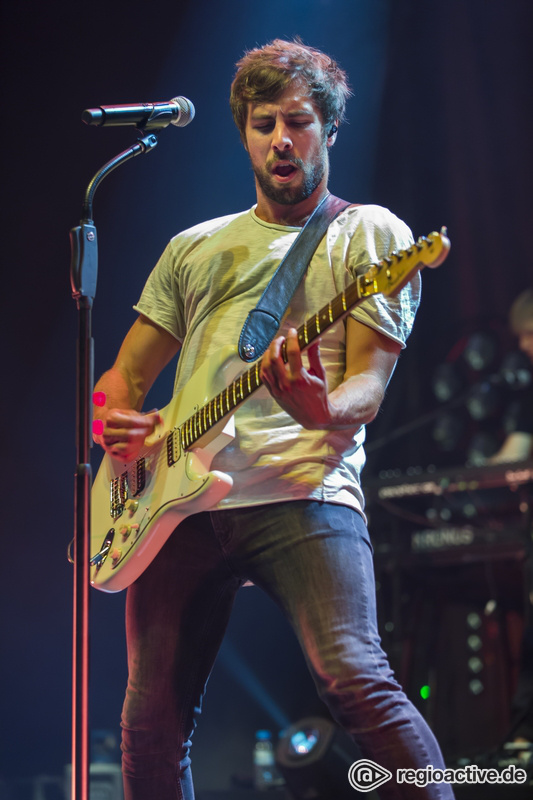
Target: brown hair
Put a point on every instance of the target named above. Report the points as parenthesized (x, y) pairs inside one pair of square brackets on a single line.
[(521, 311), (264, 73)]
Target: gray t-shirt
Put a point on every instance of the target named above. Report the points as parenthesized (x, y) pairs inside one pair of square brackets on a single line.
[(201, 291)]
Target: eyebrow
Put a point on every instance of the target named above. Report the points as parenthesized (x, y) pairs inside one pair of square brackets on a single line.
[(299, 112)]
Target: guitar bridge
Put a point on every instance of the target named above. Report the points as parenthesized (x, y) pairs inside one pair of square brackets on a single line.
[(118, 490), (129, 484)]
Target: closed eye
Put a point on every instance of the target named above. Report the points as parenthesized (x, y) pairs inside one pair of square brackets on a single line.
[(265, 127)]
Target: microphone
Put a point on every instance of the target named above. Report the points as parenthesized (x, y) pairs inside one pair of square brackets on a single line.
[(147, 116)]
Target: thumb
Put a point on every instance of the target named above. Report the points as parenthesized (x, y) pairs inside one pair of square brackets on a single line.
[(154, 417)]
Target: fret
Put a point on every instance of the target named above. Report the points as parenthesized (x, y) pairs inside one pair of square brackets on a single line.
[(382, 277)]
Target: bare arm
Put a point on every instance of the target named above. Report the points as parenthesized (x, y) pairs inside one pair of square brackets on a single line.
[(303, 393), (145, 351)]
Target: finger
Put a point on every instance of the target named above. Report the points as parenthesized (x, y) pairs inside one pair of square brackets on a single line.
[(294, 355), (276, 359), (270, 363), (123, 419), (128, 420), (124, 451), (271, 382), (154, 418)]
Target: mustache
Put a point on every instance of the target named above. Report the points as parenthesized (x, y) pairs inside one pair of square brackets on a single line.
[(281, 157)]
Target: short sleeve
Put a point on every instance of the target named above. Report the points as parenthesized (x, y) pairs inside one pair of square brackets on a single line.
[(379, 234), (160, 301)]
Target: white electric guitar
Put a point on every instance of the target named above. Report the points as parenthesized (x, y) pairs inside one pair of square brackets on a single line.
[(136, 506)]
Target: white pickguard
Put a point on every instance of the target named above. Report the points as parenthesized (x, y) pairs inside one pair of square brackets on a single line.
[(136, 506), (170, 493)]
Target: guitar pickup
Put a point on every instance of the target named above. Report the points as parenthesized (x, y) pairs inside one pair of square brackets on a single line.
[(173, 447), (138, 477)]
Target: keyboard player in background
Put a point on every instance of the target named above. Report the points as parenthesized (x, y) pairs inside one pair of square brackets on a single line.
[(518, 446)]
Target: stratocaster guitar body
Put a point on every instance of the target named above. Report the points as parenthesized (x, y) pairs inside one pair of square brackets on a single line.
[(148, 498), (136, 506)]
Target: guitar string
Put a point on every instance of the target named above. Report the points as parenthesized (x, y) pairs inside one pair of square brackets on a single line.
[(325, 313)]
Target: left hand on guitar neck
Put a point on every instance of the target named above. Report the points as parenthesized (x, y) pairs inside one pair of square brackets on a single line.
[(302, 393)]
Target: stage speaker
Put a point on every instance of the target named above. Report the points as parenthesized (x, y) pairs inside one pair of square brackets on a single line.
[(314, 757)]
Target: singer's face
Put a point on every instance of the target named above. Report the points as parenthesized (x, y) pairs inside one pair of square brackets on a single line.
[(288, 148)]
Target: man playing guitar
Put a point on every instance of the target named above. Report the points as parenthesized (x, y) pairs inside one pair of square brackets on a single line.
[(293, 522)]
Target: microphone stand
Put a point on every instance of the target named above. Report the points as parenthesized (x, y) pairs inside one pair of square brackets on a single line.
[(83, 273)]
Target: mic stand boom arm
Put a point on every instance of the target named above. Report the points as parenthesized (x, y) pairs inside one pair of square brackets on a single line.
[(83, 274)]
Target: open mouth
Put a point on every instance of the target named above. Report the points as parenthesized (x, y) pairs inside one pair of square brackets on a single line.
[(284, 170)]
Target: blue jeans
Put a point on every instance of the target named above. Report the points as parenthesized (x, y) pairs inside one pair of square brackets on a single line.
[(315, 561)]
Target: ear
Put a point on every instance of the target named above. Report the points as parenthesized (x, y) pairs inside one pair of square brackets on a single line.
[(332, 133)]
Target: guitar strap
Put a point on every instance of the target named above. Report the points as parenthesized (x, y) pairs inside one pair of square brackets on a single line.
[(263, 322)]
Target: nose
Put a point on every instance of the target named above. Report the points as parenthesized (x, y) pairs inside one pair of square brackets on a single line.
[(281, 138)]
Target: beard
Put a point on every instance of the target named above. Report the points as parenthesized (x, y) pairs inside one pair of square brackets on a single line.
[(285, 194)]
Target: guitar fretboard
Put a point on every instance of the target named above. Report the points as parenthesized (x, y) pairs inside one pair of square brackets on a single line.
[(386, 277)]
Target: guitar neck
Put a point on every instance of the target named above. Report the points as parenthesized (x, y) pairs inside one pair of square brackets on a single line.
[(386, 277), (230, 398)]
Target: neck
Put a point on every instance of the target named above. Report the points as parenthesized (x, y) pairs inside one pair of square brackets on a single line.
[(294, 215)]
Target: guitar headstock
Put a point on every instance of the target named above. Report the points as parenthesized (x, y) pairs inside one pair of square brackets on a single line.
[(390, 275)]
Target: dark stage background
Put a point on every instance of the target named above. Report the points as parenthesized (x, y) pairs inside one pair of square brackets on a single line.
[(439, 130)]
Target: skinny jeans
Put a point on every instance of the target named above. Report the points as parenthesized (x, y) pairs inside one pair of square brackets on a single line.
[(315, 561)]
